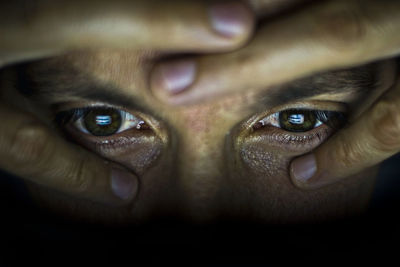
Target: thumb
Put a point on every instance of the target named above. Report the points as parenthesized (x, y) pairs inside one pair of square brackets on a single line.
[(32, 151), (374, 137)]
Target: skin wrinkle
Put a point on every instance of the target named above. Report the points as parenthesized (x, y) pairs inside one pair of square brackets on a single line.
[(359, 80), (139, 157), (201, 174)]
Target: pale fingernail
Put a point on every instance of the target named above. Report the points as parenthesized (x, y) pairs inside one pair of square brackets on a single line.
[(304, 168), (230, 19), (123, 184), (175, 77)]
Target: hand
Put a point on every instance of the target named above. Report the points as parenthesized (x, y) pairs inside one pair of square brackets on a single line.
[(321, 36), (35, 29), (371, 139), (328, 35)]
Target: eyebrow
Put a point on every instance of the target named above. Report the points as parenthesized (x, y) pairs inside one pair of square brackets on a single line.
[(362, 79), (54, 83)]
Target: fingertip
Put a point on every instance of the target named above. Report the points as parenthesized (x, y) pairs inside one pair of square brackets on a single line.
[(124, 184), (232, 19), (173, 77), (169, 80), (303, 170)]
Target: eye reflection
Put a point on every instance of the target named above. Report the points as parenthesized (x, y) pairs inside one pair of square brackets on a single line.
[(298, 120), (302, 120), (102, 121)]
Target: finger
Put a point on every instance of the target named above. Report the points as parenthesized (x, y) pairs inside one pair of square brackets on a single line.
[(44, 29), (370, 140), (327, 35), (266, 8), (31, 151)]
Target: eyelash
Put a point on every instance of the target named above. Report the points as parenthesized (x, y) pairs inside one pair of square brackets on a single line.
[(327, 123), (77, 116), (333, 119)]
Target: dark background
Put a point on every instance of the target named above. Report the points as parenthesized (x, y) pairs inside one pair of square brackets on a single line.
[(28, 233)]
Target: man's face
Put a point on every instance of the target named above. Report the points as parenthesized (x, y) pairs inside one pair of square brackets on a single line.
[(223, 159)]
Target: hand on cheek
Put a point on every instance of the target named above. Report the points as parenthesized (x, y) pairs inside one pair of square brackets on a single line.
[(371, 139), (327, 35), (32, 151)]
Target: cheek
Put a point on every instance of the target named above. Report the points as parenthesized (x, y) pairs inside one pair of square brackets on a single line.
[(263, 171), (261, 189), (262, 161), (135, 153)]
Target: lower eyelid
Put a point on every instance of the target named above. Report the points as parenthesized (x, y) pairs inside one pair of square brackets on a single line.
[(274, 120), (291, 141)]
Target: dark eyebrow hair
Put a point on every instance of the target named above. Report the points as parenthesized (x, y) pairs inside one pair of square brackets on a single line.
[(361, 79), (52, 83)]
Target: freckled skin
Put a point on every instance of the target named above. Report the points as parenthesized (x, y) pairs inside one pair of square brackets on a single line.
[(205, 170)]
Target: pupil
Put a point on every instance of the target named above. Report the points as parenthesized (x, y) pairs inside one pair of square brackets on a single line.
[(296, 118), (103, 121)]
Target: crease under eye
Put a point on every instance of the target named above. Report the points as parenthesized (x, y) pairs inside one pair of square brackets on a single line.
[(137, 142)]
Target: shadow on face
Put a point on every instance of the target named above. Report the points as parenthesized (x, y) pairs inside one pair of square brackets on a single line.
[(226, 159)]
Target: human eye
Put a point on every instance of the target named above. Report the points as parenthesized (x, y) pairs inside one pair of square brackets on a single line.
[(301, 120), (130, 137), (297, 127), (104, 121)]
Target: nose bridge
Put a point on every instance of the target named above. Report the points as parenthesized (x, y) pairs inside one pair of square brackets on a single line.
[(199, 155), (200, 167), (200, 138), (199, 144)]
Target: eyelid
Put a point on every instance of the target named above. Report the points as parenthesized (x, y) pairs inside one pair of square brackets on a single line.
[(128, 121), (246, 128), (273, 120), (301, 105), (60, 107), (155, 124)]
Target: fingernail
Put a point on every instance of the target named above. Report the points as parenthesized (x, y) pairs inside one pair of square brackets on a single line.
[(230, 19), (123, 184), (304, 168), (175, 77)]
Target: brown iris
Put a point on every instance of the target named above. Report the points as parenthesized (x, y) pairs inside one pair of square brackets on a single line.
[(103, 121), (294, 120)]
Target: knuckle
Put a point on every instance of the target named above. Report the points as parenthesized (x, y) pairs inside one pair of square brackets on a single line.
[(30, 144), (386, 126)]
